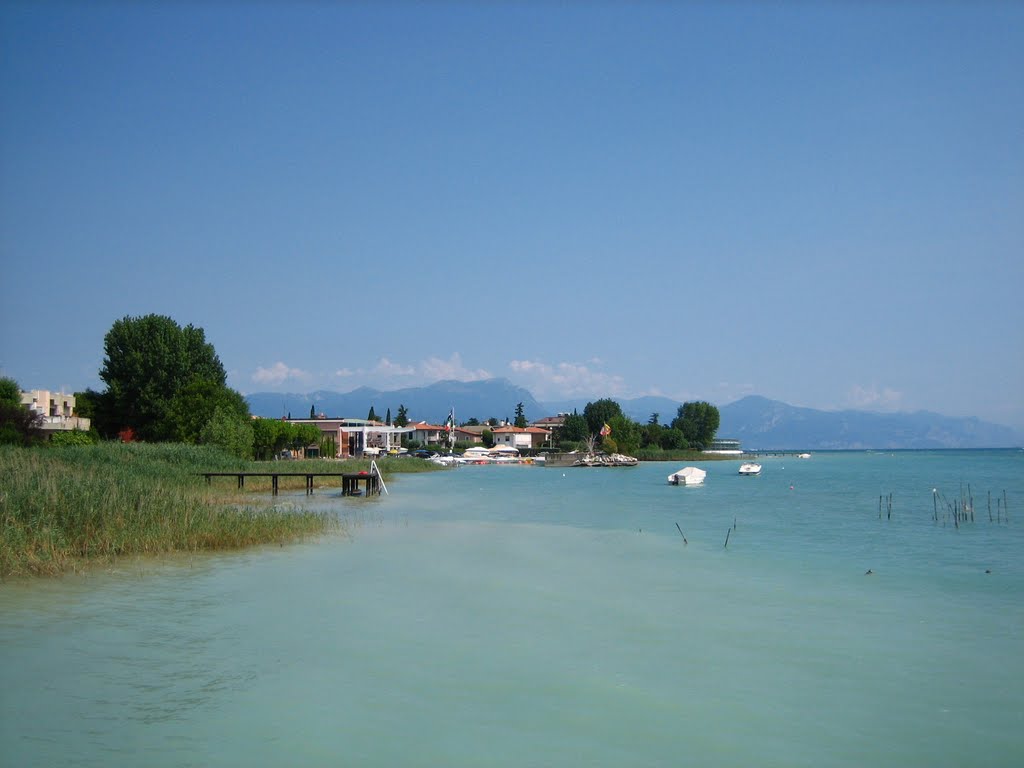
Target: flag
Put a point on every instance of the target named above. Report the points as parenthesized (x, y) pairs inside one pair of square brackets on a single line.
[(606, 430), (449, 423)]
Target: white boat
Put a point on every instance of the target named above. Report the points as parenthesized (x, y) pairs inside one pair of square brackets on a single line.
[(804, 456), (687, 476), (750, 468)]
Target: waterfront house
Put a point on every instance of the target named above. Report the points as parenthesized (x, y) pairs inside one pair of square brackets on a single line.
[(57, 410), (521, 437), (358, 437)]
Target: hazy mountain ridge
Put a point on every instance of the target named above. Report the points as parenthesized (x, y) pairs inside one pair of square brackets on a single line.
[(471, 399), (758, 422)]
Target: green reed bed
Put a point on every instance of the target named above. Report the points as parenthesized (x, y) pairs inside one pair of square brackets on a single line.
[(63, 507)]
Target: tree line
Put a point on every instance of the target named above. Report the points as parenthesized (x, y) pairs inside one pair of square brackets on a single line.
[(604, 425), (166, 383)]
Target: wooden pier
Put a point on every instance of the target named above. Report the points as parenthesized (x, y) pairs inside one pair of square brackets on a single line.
[(352, 483)]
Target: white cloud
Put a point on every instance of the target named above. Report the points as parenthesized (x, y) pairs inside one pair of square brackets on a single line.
[(387, 373), (565, 380), (387, 369), (436, 369), (873, 398), (278, 373)]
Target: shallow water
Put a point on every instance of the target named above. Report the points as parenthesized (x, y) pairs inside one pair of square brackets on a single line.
[(524, 616)]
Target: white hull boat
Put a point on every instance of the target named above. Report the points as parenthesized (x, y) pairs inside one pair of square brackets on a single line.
[(750, 468), (687, 476)]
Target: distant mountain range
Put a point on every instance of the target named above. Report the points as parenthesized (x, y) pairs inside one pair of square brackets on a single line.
[(758, 422)]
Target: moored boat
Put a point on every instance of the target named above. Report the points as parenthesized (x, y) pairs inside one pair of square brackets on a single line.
[(750, 468), (687, 476)]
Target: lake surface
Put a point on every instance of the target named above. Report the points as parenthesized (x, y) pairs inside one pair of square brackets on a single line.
[(526, 616)]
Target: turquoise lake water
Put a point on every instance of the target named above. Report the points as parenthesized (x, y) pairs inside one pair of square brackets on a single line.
[(529, 616)]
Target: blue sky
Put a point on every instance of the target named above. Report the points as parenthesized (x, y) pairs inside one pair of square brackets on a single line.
[(818, 203)]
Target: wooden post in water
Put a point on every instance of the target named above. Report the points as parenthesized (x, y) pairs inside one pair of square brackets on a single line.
[(682, 534), (990, 506), (727, 538)]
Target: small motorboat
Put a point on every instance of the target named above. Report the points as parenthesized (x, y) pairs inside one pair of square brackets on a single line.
[(750, 468), (687, 476)]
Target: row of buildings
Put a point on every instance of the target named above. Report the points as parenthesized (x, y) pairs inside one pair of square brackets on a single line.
[(353, 437), (358, 437)]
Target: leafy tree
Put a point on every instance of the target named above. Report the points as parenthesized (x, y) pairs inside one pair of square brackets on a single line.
[(193, 406), (520, 416), (574, 429), (626, 434), (492, 422), (654, 419), (698, 422), (650, 435), (402, 419), (601, 412), (269, 437), (230, 431), (673, 439), (87, 404), (473, 422), (488, 437), (304, 435), (18, 425), (10, 391), (147, 361)]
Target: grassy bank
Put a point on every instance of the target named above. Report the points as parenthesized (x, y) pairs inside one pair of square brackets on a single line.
[(64, 507)]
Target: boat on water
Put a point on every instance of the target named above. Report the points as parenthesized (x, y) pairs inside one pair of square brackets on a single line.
[(750, 468), (804, 456), (687, 476)]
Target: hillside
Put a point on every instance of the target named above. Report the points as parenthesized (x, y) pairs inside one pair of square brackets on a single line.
[(763, 424), (471, 399), (758, 422)]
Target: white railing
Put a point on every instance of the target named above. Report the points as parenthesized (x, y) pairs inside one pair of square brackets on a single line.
[(375, 470)]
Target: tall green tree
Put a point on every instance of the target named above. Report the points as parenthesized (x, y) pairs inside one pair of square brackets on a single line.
[(269, 437), (626, 434), (18, 425), (147, 361), (229, 431), (574, 429), (10, 391), (601, 412), (698, 421), (402, 419), (520, 416), (372, 415), (193, 407)]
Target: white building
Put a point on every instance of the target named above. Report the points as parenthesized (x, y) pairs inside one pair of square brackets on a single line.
[(521, 437), (57, 410)]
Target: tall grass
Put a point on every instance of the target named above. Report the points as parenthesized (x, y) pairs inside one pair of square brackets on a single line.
[(62, 506)]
